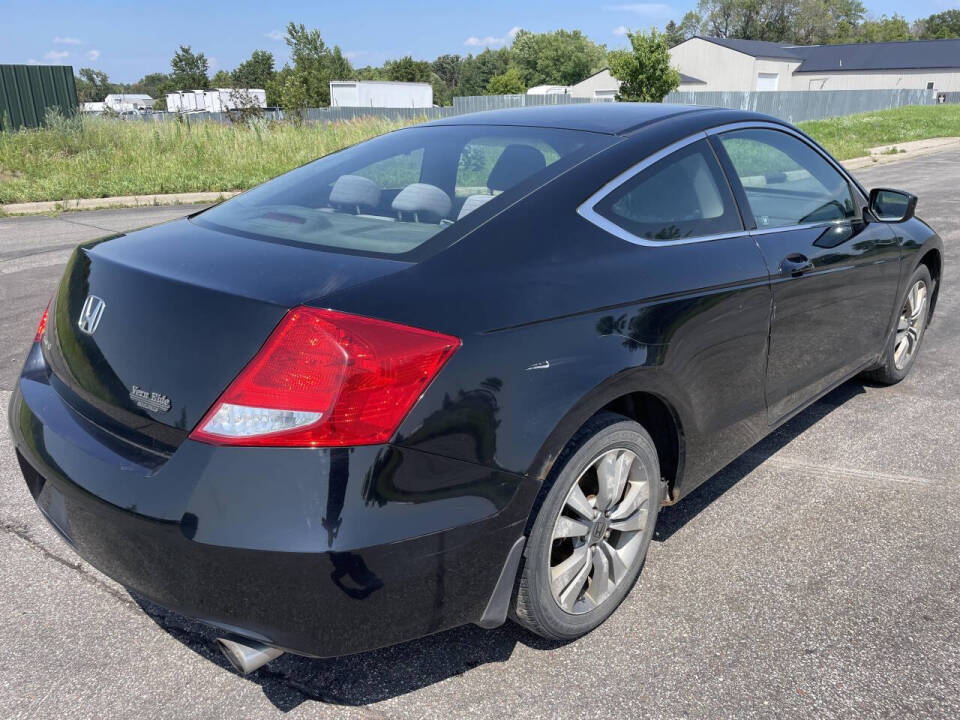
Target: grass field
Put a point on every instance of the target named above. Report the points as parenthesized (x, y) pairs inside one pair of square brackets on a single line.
[(98, 157), (854, 135)]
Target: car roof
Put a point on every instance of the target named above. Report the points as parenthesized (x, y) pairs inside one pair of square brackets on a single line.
[(612, 118)]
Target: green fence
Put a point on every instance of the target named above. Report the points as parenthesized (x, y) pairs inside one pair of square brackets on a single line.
[(26, 91)]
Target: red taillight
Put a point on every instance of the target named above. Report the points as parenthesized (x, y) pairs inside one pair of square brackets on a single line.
[(42, 327), (326, 378)]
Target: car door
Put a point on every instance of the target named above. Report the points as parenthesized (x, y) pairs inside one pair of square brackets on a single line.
[(706, 296), (834, 274)]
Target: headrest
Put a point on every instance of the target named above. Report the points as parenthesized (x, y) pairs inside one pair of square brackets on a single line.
[(516, 163), (420, 198), (355, 191), (472, 203)]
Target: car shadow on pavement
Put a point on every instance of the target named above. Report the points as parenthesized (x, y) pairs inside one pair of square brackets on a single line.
[(389, 672), (674, 517), (364, 678)]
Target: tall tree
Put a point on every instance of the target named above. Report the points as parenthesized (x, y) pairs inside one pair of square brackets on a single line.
[(189, 69), (256, 72), (509, 83), (884, 29), (674, 34), (406, 69), (799, 21), (940, 25), (221, 79), (314, 65), (447, 68), (690, 25), (644, 71), (92, 85), (152, 84), (561, 57), (476, 71)]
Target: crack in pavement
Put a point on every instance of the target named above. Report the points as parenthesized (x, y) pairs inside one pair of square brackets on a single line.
[(175, 625), (21, 531), (60, 218)]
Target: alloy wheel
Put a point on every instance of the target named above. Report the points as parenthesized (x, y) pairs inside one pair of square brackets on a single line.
[(910, 325), (600, 532)]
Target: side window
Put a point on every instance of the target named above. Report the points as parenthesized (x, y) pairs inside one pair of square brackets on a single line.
[(395, 172), (683, 196), (785, 180)]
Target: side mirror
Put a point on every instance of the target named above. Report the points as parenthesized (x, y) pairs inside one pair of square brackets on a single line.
[(892, 206)]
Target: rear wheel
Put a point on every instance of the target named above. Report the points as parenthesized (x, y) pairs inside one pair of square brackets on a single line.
[(901, 352), (592, 532)]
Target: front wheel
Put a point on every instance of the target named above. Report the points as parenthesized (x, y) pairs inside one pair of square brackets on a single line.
[(592, 532), (901, 352)]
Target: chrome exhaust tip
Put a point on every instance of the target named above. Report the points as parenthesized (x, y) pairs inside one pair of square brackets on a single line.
[(247, 655)]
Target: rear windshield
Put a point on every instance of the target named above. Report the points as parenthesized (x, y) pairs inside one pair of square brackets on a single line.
[(391, 194)]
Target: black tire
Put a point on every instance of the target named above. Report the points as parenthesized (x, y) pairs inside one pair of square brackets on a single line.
[(887, 371), (535, 606)]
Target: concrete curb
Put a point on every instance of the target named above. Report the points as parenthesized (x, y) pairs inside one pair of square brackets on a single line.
[(886, 154), (123, 201)]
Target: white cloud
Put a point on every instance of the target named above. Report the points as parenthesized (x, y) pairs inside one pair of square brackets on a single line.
[(641, 8), (33, 61), (67, 41), (490, 40), (93, 54), (621, 30), (275, 35), (354, 54), (54, 55)]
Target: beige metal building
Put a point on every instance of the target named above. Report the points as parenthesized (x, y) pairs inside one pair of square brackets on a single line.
[(749, 65)]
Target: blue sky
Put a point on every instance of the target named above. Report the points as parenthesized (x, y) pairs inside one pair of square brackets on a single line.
[(129, 39)]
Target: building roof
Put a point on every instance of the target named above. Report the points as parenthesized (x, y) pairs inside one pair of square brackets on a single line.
[(762, 48), (689, 80), (910, 55)]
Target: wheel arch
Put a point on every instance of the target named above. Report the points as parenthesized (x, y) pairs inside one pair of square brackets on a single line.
[(933, 259), (624, 394)]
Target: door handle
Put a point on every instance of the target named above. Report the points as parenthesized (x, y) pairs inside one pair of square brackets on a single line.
[(795, 264)]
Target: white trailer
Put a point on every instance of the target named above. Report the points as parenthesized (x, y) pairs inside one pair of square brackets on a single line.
[(380, 94), (223, 99), (185, 101), (217, 100)]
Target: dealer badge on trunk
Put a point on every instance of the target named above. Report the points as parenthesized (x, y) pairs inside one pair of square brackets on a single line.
[(152, 401)]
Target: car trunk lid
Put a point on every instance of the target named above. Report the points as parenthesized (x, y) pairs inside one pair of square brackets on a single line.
[(183, 310)]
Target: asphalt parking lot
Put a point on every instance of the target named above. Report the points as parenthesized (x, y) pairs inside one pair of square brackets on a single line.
[(816, 576)]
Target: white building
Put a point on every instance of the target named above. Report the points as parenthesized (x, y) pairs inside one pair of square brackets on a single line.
[(128, 102), (748, 65), (92, 107), (599, 86), (380, 94), (602, 85), (548, 90)]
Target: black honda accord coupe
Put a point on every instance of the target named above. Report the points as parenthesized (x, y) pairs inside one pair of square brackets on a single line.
[(450, 375)]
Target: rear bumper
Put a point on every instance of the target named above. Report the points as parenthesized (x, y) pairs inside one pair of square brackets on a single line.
[(321, 552)]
